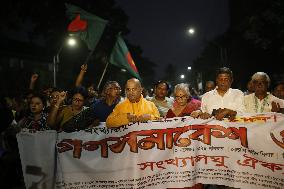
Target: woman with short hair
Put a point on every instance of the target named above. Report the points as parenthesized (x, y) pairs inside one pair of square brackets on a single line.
[(184, 104)]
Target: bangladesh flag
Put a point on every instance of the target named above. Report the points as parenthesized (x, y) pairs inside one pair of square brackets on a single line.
[(121, 57), (85, 25)]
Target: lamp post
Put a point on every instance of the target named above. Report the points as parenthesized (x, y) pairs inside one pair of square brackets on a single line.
[(71, 42), (188, 73)]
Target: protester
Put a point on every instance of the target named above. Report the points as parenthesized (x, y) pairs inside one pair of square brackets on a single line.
[(37, 119), (184, 104), (250, 88), (209, 86), (134, 108), (223, 101), (160, 99), (68, 117), (261, 100), (279, 90), (110, 98), (92, 93)]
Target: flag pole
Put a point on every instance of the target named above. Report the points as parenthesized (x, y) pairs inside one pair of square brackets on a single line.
[(103, 74), (89, 56)]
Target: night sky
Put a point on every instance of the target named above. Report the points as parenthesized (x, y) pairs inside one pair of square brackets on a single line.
[(160, 28)]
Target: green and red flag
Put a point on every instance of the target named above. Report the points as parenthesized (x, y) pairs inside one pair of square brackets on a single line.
[(121, 57), (85, 25)]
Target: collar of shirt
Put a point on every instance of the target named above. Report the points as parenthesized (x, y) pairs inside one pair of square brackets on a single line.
[(215, 92)]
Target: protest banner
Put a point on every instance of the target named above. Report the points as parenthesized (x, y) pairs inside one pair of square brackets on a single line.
[(247, 152)]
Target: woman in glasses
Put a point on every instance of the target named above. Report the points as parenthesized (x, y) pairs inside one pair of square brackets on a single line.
[(183, 104), (70, 117)]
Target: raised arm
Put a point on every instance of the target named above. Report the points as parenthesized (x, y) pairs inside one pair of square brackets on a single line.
[(54, 112), (81, 75), (33, 80)]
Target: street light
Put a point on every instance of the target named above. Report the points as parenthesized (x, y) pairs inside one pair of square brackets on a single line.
[(182, 76), (70, 42), (222, 50), (189, 68), (191, 31)]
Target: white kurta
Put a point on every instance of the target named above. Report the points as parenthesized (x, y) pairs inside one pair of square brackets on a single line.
[(254, 105), (233, 99)]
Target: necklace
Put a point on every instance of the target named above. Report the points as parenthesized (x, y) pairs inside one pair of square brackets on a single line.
[(262, 105)]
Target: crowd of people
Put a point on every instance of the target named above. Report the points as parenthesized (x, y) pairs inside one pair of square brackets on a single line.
[(83, 107)]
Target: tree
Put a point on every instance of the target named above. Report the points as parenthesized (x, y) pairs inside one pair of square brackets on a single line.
[(254, 42)]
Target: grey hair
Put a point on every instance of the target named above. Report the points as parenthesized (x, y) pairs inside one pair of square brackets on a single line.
[(261, 74), (182, 86), (107, 85)]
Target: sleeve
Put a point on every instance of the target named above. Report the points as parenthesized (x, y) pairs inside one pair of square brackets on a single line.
[(117, 118), (155, 113), (279, 101), (204, 103), (240, 103)]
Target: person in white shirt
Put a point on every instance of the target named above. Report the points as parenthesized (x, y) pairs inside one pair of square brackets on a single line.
[(223, 101), (261, 100)]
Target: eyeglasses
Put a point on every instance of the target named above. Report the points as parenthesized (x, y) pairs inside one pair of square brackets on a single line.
[(77, 100), (115, 88), (181, 97)]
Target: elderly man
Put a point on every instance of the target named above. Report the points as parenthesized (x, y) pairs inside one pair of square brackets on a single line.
[(160, 98), (110, 98), (223, 101), (134, 108), (261, 100)]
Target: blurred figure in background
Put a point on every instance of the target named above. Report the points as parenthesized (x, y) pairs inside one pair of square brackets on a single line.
[(279, 90), (160, 99), (209, 86), (250, 88)]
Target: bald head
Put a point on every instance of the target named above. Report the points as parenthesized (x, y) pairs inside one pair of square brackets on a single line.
[(133, 90), (133, 81)]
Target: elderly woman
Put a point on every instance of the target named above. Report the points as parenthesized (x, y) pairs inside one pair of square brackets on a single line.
[(184, 104), (261, 100), (37, 119)]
